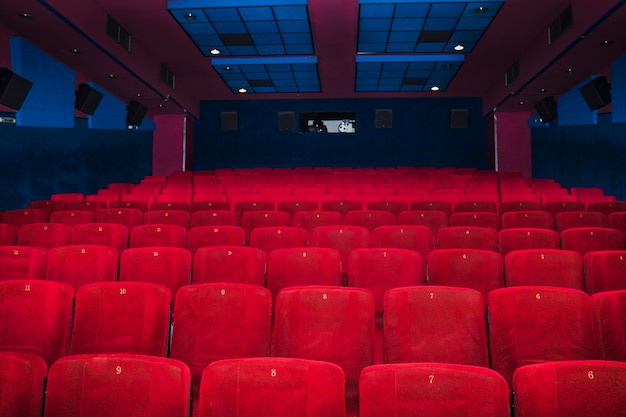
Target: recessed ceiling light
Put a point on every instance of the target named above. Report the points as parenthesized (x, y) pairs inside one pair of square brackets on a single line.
[(26, 16), (243, 90), (227, 68), (521, 103), (606, 42), (571, 70), (190, 16), (542, 90), (434, 88), (139, 94), (459, 47), (481, 9), (111, 76), (160, 105), (215, 51), (75, 51), (448, 66)]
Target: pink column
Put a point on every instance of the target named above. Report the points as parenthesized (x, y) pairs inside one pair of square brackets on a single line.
[(511, 140), (172, 144)]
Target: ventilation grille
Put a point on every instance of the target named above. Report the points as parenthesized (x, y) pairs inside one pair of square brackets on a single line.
[(117, 32), (167, 77), (560, 25), (512, 73)]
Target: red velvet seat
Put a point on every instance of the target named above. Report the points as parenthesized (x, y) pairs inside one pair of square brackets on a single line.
[(466, 268), (590, 239), (82, 264), (37, 317), (278, 387), (147, 235), (605, 271), (584, 388), (121, 317), (23, 262), (435, 324), (163, 265), (239, 264), (309, 220), (49, 206), (608, 308), (44, 235), (129, 217), (214, 218), (551, 267), (432, 389), (106, 234), (205, 236), (220, 321), (291, 267), (253, 219), (271, 238), (132, 202), (528, 238), (475, 206), (380, 269), (343, 238), (8, 234), (72, 217), (22, 379), (519, 205), (177, 217), (467, 237), (572, 219), (530, 325), (476, 219), (332, 324), (118, 385), (539, 219), (371, 219), (433, 219)]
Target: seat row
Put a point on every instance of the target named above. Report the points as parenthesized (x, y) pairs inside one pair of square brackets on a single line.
[(377, 269), (211, 322), (284, 387)]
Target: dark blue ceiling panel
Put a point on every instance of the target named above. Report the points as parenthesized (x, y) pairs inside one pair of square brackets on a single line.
[(246, 27), (395, 73), (434, 26), (287, 74)]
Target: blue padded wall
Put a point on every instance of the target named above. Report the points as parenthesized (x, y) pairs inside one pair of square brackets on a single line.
[(618, 89), (582, 156), (36, 162), (110, 114), (573, 109), (50, 101), (420, 136)]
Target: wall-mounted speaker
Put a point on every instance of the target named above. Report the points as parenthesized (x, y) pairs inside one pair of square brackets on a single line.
[(546, 109), (135, 112), (87, 99), (597, 92), (286, 120), (458, 118), (383, 119), (230, 120), (13, 89)]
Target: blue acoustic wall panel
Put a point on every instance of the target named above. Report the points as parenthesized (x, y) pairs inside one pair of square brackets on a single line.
[(573, 109), (36, 162), (618, 89), (110, 114), (50, 102), (420, 136), (582, 156)]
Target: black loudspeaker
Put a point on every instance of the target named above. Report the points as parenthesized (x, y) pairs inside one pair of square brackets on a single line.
[(230, 120), (286, 120), (546, 109), (597, 93), (13, 89), (458, 118), (87, 99), (383, 119), (135, 112)]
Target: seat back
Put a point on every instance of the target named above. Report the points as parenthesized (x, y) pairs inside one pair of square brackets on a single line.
[(527, 238), (19, 217), (343, 238), (476, 219), (467, 268), (44, 235), (610, 324), (433, 219), (23, 262), (571, 219), (279, 387), (121, 317), (453, 319), (467, 237), (551, 267), (538, 324), (277, 237), (204, 236), (213, 218), (72, 217), (22, 384), (432, 389), (147, 235), (82, 264), (180, 218), (37, 317), (590, 239), (129, 217), (589, 388), (118, 385), (371, 219), (106, 234), (536, 219), (605, 271), (240, 264)]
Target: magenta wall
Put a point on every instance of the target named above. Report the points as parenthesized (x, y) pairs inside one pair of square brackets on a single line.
[(512, 143), (172, 144)]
